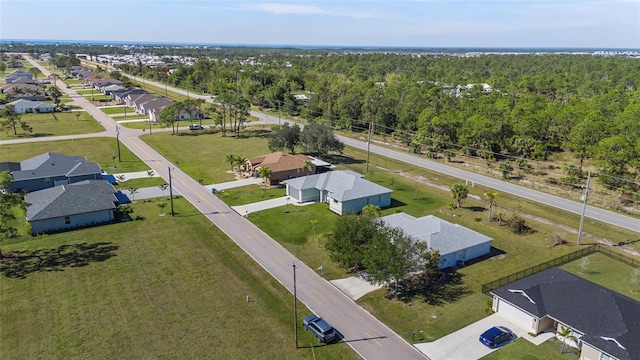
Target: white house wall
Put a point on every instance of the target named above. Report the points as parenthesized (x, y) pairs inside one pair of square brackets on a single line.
[(476, 251), (516, 315), (56, 224)]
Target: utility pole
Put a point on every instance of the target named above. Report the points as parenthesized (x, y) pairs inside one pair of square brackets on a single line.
[(278, 112), (584, 206), (150, 127), (295, 304), (118, 142), (170, 192)]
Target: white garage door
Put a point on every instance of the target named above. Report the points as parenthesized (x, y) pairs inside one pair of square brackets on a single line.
[(517, 316)]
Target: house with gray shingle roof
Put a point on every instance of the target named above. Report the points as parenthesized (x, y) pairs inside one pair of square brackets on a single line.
[(81, 204), (345, 191), (606, 324), (454, 242), (22, 106), (51, 169)]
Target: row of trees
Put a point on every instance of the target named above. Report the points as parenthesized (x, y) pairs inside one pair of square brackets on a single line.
[(316, 138), (386, 254)]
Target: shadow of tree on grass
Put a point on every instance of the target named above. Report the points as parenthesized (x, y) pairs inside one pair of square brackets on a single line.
[(19, 264)]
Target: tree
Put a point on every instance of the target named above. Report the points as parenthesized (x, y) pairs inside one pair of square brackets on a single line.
[(239, 161), (459, 192), (370, 209), (231, 159), (8, 201), (506, 169), (55, 94), (34, 71), (352, 235), (120, 178), (163, 187), (3, 66), (12, 120), (77, 115), (133, 191), (307, 167), (318, 138), (490, 196), (161, 205), (265, 174), (150, 174), (314, 225), (284, 137), (566, 333)]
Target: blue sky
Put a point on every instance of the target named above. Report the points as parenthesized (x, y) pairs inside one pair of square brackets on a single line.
[(419, 23)]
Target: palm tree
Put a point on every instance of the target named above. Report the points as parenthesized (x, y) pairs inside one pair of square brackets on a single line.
[(120, 178), (307, 167), (77, 115), (150, 175), (459, 192), (314, 224), (371, 209), (490, 196), (133, 191), (163, 187), (239, 160), (565, 333), (231, 159), (34, 71), (500, 217), (265, 174), (161, 205)]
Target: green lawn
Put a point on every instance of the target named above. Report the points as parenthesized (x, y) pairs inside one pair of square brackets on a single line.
[(250, 194), (140, 183), (161, 287), (98, 150), (132, 116), (117, 110), (55, 124), (202, 154)]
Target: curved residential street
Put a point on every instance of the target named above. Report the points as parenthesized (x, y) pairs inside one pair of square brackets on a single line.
[(370, 338)]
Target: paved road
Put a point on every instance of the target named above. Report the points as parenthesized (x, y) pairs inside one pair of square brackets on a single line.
[(365, 334)]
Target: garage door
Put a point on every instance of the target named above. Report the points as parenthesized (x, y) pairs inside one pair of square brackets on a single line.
[(515, 315)]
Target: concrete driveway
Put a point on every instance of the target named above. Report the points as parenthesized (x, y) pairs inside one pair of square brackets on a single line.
[(464, 344)]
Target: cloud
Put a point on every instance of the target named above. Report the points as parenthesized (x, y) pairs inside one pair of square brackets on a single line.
[(295, 9)]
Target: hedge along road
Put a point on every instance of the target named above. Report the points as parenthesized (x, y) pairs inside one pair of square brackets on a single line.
[(370, 338)]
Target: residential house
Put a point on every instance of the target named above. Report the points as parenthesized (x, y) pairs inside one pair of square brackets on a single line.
[(99, 84), (18, 74), (22, 91), (283, 166), (454, 242), (23, 81), (134, 99), (345, 191), (63, 207), (107, 90), (605, 324), (49, 170), (23, 106), (121, 96), (154, 107)]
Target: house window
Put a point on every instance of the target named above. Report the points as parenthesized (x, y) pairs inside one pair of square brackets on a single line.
[(604, 357), (67, 220), (463, 253)]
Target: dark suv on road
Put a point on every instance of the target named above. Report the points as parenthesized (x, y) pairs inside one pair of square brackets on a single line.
[(321, 329)]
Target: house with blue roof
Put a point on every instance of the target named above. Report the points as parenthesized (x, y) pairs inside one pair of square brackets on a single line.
[(454, 242), (345, 191), (49, 170)]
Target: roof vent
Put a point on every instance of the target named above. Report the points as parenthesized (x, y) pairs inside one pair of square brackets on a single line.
[(521, 292), (614, 340)]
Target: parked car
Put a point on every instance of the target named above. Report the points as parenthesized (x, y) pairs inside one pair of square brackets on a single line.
[(196, 127), (496, 336), (321, 329)]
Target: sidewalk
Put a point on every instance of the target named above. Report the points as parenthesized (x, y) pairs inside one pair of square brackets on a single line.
[(267, 204)]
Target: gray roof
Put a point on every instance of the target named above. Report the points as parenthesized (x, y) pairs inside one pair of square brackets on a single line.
[(158, 104), (24, 104), (71, 199), (586, 307), (52, 165), (341, 185), (438, 234)]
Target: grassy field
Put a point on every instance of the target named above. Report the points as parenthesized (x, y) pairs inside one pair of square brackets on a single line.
[(161, 287), (117, 110), (64, 123), (521, 349), (608, 272), (250, 194), (98, 150)]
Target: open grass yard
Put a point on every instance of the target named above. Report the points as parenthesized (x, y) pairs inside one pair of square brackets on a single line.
[(55, 124), (98, 150), (202, 154), (131, 116), (139, 183), (161, 287), (250, 194), (117, 110)]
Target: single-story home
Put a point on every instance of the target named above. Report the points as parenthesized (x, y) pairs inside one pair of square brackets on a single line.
[(606, 324), (18, 74), (283, 166), (49, 170), (85, 203), (454, 242), (345, 191), (22, 106), (155, 106), (110, 88), (23, 91)]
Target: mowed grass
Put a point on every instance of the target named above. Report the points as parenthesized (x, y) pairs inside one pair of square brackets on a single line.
[(163, 287), (250, 194), (98, 150), (202, 155), (608, 272), (521, 349), (46, 124), (117, 110)]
